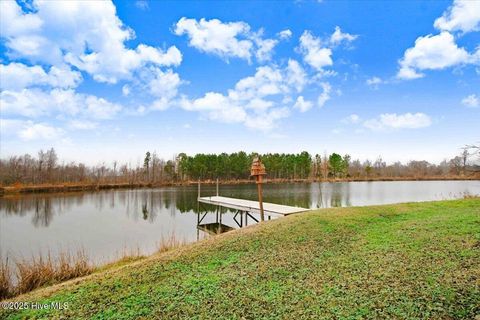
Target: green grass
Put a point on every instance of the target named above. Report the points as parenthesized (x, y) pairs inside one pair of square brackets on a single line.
[(407, 261)]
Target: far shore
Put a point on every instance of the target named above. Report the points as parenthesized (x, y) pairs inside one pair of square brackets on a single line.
[(92, 186)]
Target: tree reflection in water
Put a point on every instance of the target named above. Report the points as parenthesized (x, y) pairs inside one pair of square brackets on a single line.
[(147, 204)]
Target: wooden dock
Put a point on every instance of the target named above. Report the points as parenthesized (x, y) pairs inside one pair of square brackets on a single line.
[(270, 209)]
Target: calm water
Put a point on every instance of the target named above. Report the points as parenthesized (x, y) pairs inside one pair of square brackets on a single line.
[(107, 223)]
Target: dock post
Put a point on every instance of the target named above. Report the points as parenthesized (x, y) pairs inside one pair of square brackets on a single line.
[(260, 200), (198, 204), (198, 195), (258, 171)]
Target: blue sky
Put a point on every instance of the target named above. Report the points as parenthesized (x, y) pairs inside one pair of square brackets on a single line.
[(103, 81)]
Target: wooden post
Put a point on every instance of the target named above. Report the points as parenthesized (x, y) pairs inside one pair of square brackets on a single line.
[(258, 170), (217, 187), (260, 200), (198, 204)]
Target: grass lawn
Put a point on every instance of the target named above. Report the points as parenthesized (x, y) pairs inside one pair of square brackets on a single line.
[(407, 261)]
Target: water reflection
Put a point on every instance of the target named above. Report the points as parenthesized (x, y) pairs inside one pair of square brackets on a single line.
[(111, 221), (147, 204)]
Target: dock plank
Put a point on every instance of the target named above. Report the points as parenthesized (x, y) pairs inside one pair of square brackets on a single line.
[(252, 206)]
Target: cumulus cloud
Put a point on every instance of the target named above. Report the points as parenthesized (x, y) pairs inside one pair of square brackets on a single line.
[(228, 39), (440, 51), (325, 95), (302, 104), (317, 52), (40, 131), (265, 48), (285, 34), (16, 76), (36, 102), (296, 75), (313, 52), (432, 53), (339, 37), (398, 121), (85, 34), (214, 36), (52, 45), (463, 15), (471, 101), (29, 130), (258, 101), (164, 83)]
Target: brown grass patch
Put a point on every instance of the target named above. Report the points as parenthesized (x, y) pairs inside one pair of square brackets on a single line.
[(39, 271), (168, 243), (5, 280)]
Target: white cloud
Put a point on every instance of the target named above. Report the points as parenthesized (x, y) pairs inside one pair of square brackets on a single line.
[(374, 82), (313, 52), (85, 34), (217, 107), (57, 42), (214, 36), (267, 81), (99, 108), (228, 39), (14, 23), (285, 34), (296, 76), (268, 120), (164, 84), (351, 119), (36, 102), (432, 52), (265, 48), (16, 76), (471, 101), (29, 130), (258, 101), (408, 73), (302, 104), (338, 37), (436, 52), (325, 95), (26, 102), (317, 52), (40, 131), (398, 121), (463, 15)]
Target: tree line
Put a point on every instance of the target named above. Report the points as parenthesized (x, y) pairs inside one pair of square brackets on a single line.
[(46, 168)]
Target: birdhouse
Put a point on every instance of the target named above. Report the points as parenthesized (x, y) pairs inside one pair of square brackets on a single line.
[(258, 169)]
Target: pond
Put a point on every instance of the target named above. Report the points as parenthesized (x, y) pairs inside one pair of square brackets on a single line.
[(105, 224)]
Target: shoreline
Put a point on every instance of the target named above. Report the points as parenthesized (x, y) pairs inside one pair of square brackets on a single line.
[(60, 188)]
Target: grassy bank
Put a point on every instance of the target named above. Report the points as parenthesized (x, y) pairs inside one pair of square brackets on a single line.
[(407, 261)]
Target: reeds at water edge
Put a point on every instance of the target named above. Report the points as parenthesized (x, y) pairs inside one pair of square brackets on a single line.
[(18, 276), (41, 270)]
